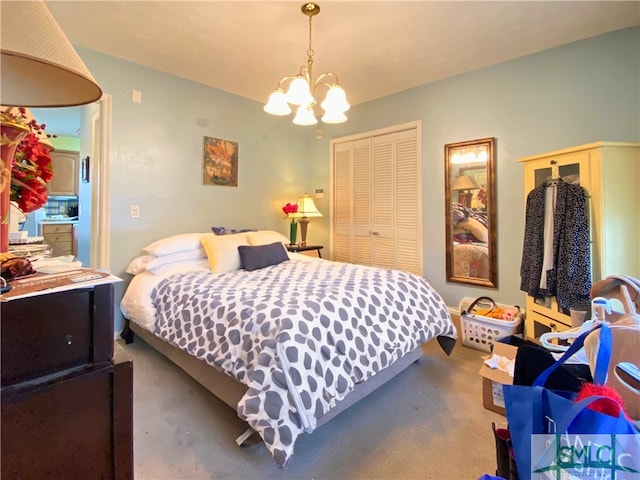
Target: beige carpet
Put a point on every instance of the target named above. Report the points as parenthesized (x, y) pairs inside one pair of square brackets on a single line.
[(428, 423)]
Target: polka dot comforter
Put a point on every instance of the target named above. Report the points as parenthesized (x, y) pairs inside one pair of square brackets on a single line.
[(300, 334)]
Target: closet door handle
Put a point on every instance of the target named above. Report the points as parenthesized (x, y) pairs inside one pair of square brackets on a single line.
[(376, 233)]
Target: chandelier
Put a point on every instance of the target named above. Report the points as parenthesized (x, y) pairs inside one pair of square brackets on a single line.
[(301, 92)]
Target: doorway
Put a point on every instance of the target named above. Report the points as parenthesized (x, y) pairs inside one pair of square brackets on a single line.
[(91, 125)]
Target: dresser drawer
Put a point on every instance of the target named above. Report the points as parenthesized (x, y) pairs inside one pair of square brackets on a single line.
[(57, 228), (58, 238), (47, 333), (60, 247)]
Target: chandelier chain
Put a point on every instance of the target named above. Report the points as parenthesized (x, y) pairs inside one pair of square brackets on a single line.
[(310, 51)]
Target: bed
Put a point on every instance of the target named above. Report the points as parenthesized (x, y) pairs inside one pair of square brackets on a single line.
[(287, 341), (471, 260), (470, 242)]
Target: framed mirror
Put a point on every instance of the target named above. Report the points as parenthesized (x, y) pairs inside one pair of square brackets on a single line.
[(471, 247)]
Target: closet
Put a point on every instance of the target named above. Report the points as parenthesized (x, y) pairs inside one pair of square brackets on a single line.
[(610, 173), (377, 199)]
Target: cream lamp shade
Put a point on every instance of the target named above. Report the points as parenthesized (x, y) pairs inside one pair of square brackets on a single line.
[(464, 183), (40, 67), (306, 208)]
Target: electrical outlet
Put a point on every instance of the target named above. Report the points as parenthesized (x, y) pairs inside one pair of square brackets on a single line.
[(134, 211), (136, 96)]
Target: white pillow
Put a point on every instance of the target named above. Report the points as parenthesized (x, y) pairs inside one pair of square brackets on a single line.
[(222, 251), (179, 267), (266, 237), (180, 257), (140, 264), (151, 262), (174, 244)]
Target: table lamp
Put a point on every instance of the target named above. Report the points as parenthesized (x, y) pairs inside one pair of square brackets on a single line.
[(306, 208), (40, 68), (461, 184)]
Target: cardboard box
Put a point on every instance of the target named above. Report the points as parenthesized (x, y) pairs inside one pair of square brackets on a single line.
[(493, 379)]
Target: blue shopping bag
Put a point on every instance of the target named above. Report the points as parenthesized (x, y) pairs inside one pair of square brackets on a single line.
[(551, 433)]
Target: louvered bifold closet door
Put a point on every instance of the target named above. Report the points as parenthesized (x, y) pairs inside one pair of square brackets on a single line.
[(342, 191), (382, 201), (377, 200), (408, 203), (362, 235)]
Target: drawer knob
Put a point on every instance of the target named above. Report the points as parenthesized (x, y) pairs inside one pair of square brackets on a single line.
[(69, 339)]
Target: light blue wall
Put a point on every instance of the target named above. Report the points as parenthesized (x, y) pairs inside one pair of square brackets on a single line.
[(575, 94), (83, 229), (156, 159), (571, 95)]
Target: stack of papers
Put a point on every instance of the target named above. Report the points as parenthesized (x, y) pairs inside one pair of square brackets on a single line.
[(57, 264)]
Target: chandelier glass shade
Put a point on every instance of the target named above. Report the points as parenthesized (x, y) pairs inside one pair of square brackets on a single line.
[(302, 90)]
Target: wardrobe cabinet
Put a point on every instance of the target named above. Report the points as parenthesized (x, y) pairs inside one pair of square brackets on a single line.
[(610, 173), (377, 200)]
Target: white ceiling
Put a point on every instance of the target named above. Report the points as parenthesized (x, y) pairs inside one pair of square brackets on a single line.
[(375, 47)]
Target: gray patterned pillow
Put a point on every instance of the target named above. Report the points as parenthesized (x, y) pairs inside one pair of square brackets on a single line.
[(230, 231), (260, 256)]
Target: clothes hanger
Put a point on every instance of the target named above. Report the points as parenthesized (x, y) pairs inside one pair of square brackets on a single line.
[(555, 177), (552, 181), (624, 373), (600, 307)]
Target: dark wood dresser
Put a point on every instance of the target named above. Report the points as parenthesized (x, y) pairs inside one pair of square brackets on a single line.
[(67, 402)]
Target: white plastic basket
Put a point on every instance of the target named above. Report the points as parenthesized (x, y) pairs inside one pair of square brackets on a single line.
[(481, 332)]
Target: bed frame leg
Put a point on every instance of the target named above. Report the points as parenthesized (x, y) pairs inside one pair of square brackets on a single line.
[(242, 439), (127, 334)]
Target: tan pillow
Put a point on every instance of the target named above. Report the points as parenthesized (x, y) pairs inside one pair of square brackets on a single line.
[(266, 237), (222, 251), (475, 228)]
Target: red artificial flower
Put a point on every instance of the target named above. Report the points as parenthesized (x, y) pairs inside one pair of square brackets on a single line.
[(289, 209), (482, 196), (30, 173), (31, 166)]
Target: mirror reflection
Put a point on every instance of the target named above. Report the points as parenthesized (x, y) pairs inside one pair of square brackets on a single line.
[(470, 213)]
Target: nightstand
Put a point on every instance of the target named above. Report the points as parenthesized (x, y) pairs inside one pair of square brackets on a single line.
[(305, 248), (67, 401)]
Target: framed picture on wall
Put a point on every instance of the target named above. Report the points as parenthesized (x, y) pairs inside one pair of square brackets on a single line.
[(219, 162)]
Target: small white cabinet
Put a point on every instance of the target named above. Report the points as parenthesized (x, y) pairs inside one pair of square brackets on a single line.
[(610, 172), (65, 173)]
